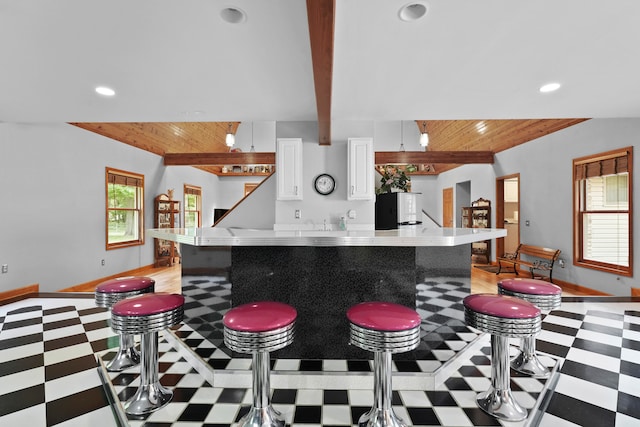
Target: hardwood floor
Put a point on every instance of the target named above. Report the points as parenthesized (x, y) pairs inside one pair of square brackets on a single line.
[(168, 280)]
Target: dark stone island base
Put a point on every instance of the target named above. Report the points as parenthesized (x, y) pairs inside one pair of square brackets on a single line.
[(323, 282)]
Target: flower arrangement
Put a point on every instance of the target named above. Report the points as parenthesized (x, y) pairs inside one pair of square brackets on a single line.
[(395, 178)]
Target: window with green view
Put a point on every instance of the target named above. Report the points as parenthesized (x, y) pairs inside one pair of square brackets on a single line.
[(192, 206), (124, 213)]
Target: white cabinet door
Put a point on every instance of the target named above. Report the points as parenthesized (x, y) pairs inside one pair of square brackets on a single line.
[(289, 168), (360, 161), (510, 191)]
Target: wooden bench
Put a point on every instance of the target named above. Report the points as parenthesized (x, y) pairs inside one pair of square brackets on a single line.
[(537, 258)]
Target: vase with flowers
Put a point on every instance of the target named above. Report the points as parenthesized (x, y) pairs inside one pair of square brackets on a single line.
[(395, 179)]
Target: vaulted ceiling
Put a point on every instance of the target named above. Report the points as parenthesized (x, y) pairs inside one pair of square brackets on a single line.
[(181, 66), (444, 135)]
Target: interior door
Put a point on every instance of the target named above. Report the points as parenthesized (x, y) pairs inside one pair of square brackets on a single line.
[(447, 207), (507, 208)]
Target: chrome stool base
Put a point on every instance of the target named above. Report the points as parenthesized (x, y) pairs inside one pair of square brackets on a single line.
[(151, 395), (147, 315), (106, 295), (126, 357), (262, 417), (149, 398), (275, 329), (381, 414), (501, 404), (396, 331), (546, 296), (527, 361), (503, 317), (381, 418), (498, 400)]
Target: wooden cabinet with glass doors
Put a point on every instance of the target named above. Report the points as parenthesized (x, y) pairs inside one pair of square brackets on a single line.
[(478, 215), (167, 215)]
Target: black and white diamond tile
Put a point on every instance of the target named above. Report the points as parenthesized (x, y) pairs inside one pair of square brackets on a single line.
[(47, 366), (48, 374)]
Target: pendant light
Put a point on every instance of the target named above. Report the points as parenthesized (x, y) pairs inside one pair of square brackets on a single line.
[(401, 136), (231, 139), (424, 136)]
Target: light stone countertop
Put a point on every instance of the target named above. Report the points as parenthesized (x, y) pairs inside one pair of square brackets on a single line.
[(410, 235)]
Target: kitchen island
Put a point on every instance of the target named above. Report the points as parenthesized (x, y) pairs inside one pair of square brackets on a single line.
[(323, 273)]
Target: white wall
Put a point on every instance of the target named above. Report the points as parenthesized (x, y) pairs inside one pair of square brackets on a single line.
[(545, 166), (52, 176), (257, 210), (52, 221), (331, 159)]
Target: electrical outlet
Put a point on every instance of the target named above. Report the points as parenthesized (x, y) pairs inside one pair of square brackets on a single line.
[(561, 263), (5, 268), (527, 223), (298, 214), (102, 262)]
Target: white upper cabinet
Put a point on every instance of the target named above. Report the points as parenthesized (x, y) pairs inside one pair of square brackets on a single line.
[(289, 168), (510, 191), (360, 163)]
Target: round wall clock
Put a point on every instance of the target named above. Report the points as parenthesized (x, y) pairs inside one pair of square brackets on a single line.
[(324, 184)]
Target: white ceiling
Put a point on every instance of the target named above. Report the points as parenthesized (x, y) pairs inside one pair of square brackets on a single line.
[(173, 60)]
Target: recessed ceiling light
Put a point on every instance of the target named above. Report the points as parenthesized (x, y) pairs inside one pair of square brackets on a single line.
[(549, 87), (233, 15), (481, 127), (106, 91), (412, 12)]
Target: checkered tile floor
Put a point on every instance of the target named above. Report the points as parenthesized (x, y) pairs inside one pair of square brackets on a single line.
[(48, 375)]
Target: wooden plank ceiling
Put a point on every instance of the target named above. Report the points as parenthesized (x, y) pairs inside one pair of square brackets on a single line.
[(452, 142), (462, 137)]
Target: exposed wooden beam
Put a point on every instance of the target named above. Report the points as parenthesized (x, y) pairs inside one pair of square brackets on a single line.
[(201, 159), (433, 157), (321, 17)]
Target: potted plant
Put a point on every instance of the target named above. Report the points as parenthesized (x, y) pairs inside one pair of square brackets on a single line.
[(395, 179)]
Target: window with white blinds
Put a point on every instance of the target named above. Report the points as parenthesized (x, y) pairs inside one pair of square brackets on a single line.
[(603, 211)]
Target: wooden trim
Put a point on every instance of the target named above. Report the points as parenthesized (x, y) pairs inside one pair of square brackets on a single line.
[(578, 258), (91, 285), (201, 159), (321, 18), (381, 157), (418, 157), (13, 293), (578, 288), (139, 178)]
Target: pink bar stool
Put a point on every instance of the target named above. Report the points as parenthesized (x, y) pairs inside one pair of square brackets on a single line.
[(147, 315), (260, 328), (503, 317), (383, 328), (110, 292), (544, 295)]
